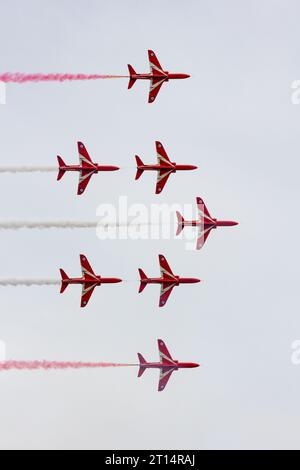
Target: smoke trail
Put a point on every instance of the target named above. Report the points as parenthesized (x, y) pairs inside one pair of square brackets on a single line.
[(29, 282), (52, 77), (68, 225), (46, 225), (27, 169), (46, 365)]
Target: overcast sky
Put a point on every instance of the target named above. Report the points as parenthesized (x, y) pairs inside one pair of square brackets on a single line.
[(234, 119)]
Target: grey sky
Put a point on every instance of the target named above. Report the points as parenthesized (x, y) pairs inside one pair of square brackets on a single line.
[(234, 119)]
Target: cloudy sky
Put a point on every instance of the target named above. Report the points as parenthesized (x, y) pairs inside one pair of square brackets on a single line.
[(234, 119)]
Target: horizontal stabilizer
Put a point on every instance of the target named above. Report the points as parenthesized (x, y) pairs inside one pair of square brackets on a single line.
[(143, 364), (180, 223), (143, 280), (64, 281), (139, 165), (132, 79), (61, 172)]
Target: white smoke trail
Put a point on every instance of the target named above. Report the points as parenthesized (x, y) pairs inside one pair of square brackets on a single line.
[(29, 282), (46, 225), (27, 169), (18, 225)]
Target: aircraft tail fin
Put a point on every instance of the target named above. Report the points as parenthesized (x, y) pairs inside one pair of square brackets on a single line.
[(143, 365), (144, 280), (132, 78), (139, 165), (64, 281), (61, 172), (181, 222)]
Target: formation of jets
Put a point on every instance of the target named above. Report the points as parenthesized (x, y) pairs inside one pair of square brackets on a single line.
[(167, 365), (90, 281), (157, 76), (164, 168), (87, 168)]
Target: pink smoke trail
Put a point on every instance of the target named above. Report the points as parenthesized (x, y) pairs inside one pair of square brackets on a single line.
[(52, 77), (46, 365)]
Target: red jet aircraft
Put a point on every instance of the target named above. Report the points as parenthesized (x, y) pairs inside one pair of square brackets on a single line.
[(167, 280), (89, 281), (167, 365), (157, 76), (164, 167), (205, 223), (86, 168)]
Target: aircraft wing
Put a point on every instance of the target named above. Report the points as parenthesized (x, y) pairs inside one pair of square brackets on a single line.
[(84, 179), (155, 67), (162, 156), (162, 179), (155, 86), (203, 211), (203, 235), (84, 157), (160, 76), (165, 269), (87, 271), (166, 291), (87, 291), (164, 354), (165, 375)]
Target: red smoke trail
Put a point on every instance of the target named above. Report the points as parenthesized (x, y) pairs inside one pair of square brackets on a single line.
[(51, 77), (45, 365)]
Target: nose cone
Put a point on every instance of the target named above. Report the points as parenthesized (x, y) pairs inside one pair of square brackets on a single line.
[(231, 223), (194, 365), (179, 75), (193, 167), (195, 281), (117, 281), (226, 223), (188, 365)]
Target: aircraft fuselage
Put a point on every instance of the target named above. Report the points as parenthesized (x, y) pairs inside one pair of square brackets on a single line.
[(168, 76), (92, 169), (171, 169), (177, 280), (97, 280), (176, 366), (217, 223)]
